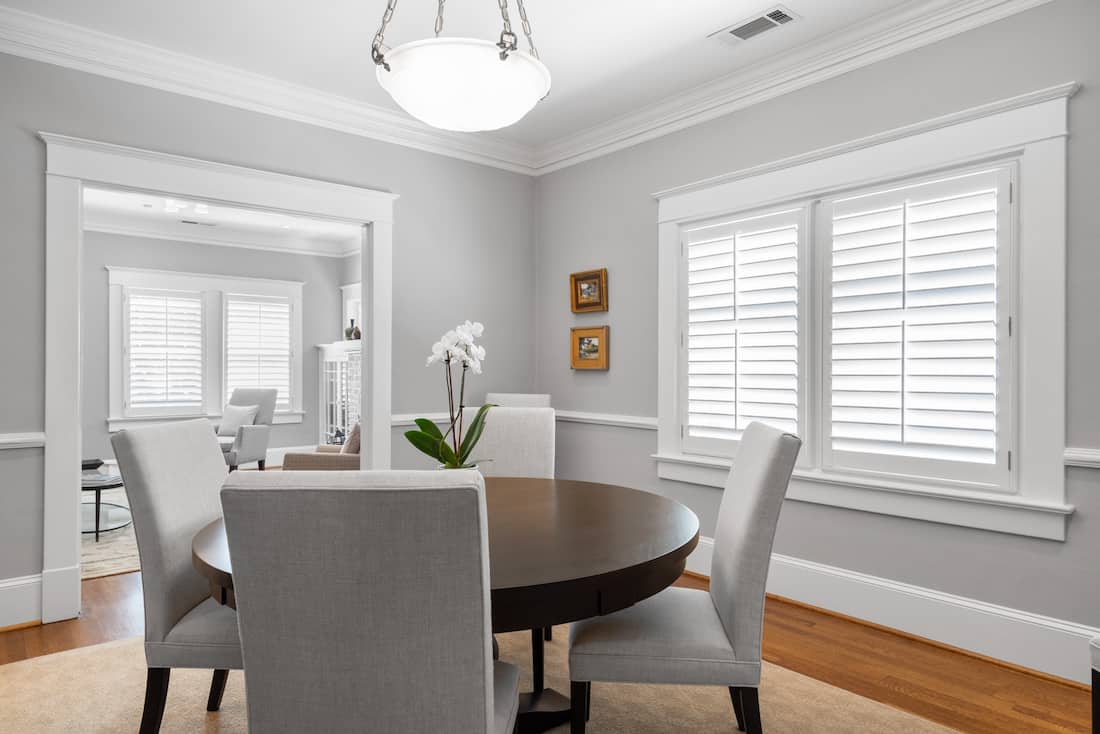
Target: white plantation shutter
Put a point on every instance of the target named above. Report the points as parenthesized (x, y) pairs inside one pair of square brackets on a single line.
[(258, 344), (740, 352), (163, 351), (918, 326)]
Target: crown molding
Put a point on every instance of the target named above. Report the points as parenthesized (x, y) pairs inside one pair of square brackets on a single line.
[(885, 35), (76, 47)]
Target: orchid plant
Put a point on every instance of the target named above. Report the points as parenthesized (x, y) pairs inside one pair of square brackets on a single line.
[(455, 350)]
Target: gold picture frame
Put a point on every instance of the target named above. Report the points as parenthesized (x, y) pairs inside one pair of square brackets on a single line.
[(588, 348), (588, 291)]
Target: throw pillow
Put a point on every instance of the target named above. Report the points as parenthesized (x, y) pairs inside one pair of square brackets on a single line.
[(351, 446), (235, 416)]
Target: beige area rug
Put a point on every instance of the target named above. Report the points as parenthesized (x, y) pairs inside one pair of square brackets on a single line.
[(101, 689), (116, 551)]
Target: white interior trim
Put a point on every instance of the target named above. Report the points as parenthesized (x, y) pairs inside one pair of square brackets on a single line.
[(20, 600), (73, 162), (167, 231), (646, 423), (1087, 458), (1035, 641), (121, 423), (32, 440), (887, 34)]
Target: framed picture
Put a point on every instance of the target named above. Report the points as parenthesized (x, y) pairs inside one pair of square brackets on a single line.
[(588, 348), (588, 290)]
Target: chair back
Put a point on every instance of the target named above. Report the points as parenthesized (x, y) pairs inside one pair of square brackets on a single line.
[(362, 599), (172, 474), (517, 442), (518, 399), (747, 519), (264, 397)]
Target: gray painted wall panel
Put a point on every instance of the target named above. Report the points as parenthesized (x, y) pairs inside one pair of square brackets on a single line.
[(321, 309), (601, 214)]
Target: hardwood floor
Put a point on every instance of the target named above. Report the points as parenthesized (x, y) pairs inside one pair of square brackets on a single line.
[(956, 689)]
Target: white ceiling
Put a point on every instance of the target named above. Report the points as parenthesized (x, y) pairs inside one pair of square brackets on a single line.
[(173, 218), (608, 59)]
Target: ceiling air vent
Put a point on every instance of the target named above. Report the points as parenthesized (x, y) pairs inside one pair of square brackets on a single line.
[(766, 21), (201, 224)]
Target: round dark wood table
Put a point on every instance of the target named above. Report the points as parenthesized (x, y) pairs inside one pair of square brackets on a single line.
[(559, 551)]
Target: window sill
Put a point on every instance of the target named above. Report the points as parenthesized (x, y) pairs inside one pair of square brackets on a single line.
[(119, 423), (987, 511)]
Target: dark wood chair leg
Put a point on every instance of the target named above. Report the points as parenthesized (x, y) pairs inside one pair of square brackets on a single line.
[(750, 709), (548, 633), (588, 700), (217, 688), (735, 696), (578, 694), (537, 660), (1096, 700), (262, 463), (156, 693), (232, 467)]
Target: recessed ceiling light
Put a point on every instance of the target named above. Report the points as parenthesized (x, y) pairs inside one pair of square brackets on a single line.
[(172, 206), (202, 209)]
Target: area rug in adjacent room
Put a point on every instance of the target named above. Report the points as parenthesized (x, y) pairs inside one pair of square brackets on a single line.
[(101, 688), (116, 551)]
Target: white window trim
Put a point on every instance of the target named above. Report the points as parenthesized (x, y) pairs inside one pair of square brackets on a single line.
[(1030, 130), (213, 288)]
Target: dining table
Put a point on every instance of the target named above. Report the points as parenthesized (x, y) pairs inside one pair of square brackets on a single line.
[(559, 551)]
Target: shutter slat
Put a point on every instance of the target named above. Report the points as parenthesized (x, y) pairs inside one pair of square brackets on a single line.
[(164, 359), (257, 345)]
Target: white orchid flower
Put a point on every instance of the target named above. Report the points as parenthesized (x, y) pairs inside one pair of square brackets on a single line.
[(478, 352), (475, 366), (477, 328)]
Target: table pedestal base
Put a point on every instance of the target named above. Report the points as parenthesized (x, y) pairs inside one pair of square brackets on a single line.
[(542, 711)]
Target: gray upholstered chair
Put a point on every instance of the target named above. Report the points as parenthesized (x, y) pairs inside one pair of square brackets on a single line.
[(173, 474), (1094, 648), (249, 443), (692, 637), (364, 602), (516, 442), (518, 399)]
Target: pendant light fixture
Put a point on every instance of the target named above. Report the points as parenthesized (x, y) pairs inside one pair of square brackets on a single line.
[(463, 84)]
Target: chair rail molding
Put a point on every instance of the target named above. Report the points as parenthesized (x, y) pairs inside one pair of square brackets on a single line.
[(30, 440), (71, 163), (889, 33), (1035, 641), (642, 422), (1087, 458)]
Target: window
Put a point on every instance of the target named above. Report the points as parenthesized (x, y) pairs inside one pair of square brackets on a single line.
[(896, 301), (741, 348), (180, 343), (257, 344), (164, 351)]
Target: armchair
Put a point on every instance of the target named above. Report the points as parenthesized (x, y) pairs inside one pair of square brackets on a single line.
[(323, 458), (250, 441)]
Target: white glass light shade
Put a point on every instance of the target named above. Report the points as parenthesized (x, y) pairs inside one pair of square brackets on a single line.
[(462, 84)]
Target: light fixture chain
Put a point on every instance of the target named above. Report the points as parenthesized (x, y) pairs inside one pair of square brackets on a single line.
[(376, 53), (439, 19), (527, 28), (508, 39)]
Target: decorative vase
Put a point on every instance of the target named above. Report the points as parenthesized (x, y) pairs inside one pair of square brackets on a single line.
[(349, 331)]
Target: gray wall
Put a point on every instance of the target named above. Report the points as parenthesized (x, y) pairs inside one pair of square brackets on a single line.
[(601, 214), (321, 309), (462, 244)]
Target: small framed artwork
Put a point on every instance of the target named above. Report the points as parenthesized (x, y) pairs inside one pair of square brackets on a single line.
[(588, 348), (589, 290)]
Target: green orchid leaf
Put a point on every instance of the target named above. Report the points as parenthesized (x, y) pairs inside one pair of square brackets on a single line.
[(429, 428), (426, 443), (473, 432), (447, 455)]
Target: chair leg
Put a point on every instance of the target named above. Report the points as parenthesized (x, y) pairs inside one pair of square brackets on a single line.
[(750, 709), (232, 467), (735, 697), (578, 694), (588, 700), (217, 688), (156, 693), (262, 463), (537, 660), (1096, 700), (548, 633)]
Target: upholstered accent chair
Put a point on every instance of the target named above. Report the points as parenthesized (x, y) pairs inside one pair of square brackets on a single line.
[(516, 442), (173, 474), (692, 637), (249, 442), (518, 399), (1094, 648), (364, 602), (326, 457)]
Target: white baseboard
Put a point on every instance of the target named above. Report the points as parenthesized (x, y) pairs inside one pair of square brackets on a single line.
[(60, 593), (1034, 641), (20, 600)]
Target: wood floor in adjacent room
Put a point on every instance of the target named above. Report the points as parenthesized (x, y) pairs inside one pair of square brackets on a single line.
[(953, 688)]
